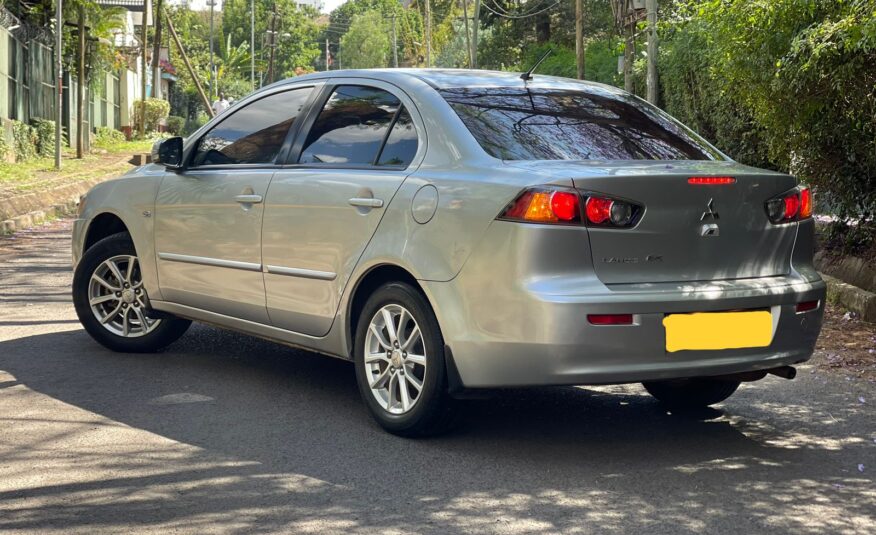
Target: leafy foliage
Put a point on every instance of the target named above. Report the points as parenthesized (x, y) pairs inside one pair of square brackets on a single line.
[(156, 110), (175, 125), (44, 131), (369, 37)]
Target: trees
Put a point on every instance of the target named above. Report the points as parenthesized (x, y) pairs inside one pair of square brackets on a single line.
[(369, 37)]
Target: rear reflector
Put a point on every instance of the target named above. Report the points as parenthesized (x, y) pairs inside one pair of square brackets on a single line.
[(806, 306), (610, 319), (711, 180)]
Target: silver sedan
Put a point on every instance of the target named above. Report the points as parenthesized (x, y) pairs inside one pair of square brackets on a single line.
[(450, 231)]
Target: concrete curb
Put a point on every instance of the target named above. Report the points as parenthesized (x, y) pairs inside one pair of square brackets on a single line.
[(24, 211), (851, 297), (851, 269)]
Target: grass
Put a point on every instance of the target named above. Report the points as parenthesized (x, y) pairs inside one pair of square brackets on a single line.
[(26, 176)]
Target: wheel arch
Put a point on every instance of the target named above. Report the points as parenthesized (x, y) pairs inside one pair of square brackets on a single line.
[(372, 279), (101, 226)]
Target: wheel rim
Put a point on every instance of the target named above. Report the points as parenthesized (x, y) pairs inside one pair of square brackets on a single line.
[(118, 299), (395, 359)]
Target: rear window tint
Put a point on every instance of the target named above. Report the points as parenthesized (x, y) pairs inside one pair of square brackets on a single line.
[(565, 124)]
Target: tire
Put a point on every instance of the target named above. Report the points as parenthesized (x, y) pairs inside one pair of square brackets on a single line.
[(127, 326), (433, 410), (693, 393)]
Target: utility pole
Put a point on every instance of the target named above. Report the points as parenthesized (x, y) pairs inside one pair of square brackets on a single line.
[(628, 57), (185, 57), (80, 84), (156, 52), (579, 37), (467, 40), (428, 33), (651, 9), (143, 48), (212, 65), (328, 56), (59, 80), (273, 35), (252, 43), (394, 45), (474, 34)]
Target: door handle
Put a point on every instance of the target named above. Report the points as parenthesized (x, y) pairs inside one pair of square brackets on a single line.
[(248, 199), (366, 202)]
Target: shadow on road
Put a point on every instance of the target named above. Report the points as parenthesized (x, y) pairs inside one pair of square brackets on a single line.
[(283, 442)]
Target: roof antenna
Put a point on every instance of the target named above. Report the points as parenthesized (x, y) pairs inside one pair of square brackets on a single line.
[(528, 74)]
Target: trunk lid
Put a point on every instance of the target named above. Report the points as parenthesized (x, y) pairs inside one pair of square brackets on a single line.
[(687, 232)]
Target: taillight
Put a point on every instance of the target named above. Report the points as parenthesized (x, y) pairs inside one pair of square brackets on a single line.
[(544, 205), (563, 206), (795, 205)]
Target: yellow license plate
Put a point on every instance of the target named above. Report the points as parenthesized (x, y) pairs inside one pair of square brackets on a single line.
[(718, 330)]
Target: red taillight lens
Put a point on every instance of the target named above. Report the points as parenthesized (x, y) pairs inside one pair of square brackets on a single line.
[(793, 206), (598, 210), (565, 205), (610, 319), (792, 203), (544, 206), (805, 203), (806, 306), (711, 180)]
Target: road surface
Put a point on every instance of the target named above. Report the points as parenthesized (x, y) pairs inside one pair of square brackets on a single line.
[(224, 433)]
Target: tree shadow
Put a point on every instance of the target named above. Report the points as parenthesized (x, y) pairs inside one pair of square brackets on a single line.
[(281, 441)]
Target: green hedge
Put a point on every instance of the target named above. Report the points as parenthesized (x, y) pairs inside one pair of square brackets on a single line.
[(156, 110), (45, 137), (107, 136), (175, 124), (24, 141)]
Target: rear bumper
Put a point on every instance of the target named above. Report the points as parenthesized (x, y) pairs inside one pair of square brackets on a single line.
[(507, 326)]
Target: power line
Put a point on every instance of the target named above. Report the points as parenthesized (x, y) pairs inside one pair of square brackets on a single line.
[(523, 16)]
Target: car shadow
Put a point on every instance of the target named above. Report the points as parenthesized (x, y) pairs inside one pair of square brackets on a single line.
[(283, 442)]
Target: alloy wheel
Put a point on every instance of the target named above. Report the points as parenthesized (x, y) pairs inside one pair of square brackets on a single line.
[(395, 359), (117, 297)]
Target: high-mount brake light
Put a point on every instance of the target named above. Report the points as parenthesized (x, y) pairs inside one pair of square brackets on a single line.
[(546, 204), (711, 180), (796, 205)]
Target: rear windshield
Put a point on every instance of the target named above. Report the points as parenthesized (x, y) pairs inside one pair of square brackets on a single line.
[(566, 124)]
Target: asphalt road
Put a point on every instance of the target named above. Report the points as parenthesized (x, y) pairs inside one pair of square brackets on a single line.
[(227, 433)]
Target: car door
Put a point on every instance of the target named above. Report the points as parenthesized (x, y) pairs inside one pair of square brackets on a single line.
[(208, 218), (324, 206)]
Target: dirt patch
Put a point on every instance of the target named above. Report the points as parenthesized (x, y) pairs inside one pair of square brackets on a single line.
[(846, 346)]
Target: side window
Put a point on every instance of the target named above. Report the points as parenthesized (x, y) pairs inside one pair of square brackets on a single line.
[(401, 145), (253, 134), (351, 127)]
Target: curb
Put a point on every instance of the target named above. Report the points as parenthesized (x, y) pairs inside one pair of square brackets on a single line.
[(851, 297)]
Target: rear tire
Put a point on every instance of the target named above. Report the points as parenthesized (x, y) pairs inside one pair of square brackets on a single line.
[(694, 393), (399, 332), (112, 304)]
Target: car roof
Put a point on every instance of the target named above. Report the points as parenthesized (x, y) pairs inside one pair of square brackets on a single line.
[(459, 78)]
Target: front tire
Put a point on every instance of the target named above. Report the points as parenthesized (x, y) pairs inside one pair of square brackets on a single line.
[(399, 358), (112, 303), (695, 393)]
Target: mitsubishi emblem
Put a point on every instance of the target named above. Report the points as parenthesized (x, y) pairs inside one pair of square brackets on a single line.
[(710, 229), (710, 211)]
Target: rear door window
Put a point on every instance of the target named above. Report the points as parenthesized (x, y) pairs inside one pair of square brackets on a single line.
[(353, 125), (253, 134), (533, 123)]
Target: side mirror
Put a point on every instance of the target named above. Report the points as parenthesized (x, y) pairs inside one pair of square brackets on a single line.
[(168, 152)]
